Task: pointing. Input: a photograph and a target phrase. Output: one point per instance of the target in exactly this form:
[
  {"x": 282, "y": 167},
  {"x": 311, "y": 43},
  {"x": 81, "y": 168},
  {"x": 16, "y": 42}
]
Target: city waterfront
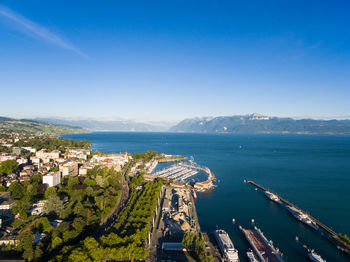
[{"x": 311, "y": 171}]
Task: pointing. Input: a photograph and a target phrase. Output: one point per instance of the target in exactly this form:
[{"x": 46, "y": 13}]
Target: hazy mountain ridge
[
  {"x": 256, "y": 123},
  {"x": 253, "y": 123},
  {"x": 107, "y": 125},
  {"x": 31, "y": 127}
]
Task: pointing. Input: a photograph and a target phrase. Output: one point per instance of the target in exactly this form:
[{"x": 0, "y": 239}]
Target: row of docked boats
[
  {"x": 311, "y": 255},
  {"x": 262, "y": 249},
  {"x": 297, "y": 213},
  {"x": 302, "y": 217}
]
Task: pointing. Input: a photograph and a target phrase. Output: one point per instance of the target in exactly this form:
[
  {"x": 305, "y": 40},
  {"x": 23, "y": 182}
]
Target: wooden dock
[{"x": 332, "y": 234}]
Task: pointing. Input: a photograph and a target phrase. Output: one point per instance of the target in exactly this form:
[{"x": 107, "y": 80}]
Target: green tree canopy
[
  {"x": 43, "y": 225},
  {"x": 53, "y": 205},
  {"x": 8, "y": 167},
  {"x": 17, "y": 190},
  {"x": 26, "y": 244},
  {"x": 89, "y": 182},
  {"x": 72, "y": 181},
  {"x": 196, "y": 245},
  {"x": 51, "y": 191},
  {"x": 53, "y": 143},
  {"x": 21, "y": 207}
]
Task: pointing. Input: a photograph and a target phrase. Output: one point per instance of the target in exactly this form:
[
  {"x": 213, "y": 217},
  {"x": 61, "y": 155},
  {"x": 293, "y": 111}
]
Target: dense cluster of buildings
[
  {"x": 53, "y": 166},
  {"x": 71, "y": 163},
  {"x": 111, "y": 160}
]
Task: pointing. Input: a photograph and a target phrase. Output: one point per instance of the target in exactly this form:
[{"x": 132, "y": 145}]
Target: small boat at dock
[
  {"x": 313, "y": 256},
  {"x": 251, "y": 256},
  {"x": 272, "y": 196},
  {"x": 302, "y": 217},
  {"x": 194, "y": 194}
]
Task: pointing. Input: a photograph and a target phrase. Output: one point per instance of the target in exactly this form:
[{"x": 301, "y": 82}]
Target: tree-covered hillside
[{"x": 24, "y": 126}]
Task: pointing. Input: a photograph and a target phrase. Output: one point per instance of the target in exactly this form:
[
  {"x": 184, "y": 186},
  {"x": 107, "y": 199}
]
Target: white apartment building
[{"x": 52, "y": 179}]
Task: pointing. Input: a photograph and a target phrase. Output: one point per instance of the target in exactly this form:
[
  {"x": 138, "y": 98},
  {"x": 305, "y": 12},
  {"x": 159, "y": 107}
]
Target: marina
[
  {"x": 188, "y": 172},
  {"x": 177, "y": 172}
]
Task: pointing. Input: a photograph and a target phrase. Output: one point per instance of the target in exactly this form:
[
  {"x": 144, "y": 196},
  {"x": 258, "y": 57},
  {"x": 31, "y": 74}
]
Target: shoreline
[{"x": 211, "y": 133}]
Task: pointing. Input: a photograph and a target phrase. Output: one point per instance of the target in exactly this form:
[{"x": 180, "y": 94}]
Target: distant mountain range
[
  {"x": 239, "y": 124},
  {"x": 109, "y": 125},
  {"x": 27, "y": 126},
  {"x": 256, "y": 123}
]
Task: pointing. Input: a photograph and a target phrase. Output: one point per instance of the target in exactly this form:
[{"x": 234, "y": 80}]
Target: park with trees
[
  {"x": 126, "y": 239},
  {"x": 71, "y": 212},
  {"x": 52, "y": 143},
  {"x": 144, "y": 157}
]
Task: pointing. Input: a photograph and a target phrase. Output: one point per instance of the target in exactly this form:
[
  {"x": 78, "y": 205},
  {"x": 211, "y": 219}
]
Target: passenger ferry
[
  {"x": 228, "y": 251},
  {"x": 302, "y": 217},
  {"x": 272, "y": 196}
]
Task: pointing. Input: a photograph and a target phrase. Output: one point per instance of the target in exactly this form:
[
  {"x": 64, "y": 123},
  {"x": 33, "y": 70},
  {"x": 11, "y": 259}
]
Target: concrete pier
[
  {"x": 333, "y": 236},
  {"x": 261, "y": 246}
]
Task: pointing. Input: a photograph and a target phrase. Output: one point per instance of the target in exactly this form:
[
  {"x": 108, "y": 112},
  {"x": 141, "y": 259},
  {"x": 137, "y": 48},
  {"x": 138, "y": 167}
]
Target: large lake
[{"x": 312, "y": 171}]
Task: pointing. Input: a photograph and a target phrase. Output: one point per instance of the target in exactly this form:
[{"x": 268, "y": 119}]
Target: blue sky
[{"x": 169, "y": 60}]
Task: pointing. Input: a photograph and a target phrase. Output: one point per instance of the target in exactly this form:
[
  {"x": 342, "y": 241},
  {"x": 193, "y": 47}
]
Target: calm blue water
[{"x": 313, "y": 171}]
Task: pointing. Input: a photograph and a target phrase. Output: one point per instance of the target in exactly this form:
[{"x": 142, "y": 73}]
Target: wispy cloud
[{"x": 38, "y": 30}]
